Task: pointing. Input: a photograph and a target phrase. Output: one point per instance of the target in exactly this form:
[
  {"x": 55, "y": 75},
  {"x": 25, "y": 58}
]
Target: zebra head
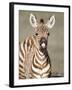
[{"x": 41, "y": 31}]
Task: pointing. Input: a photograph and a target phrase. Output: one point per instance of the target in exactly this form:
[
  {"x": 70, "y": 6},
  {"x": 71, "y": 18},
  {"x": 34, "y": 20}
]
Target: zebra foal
[{"x": 34, "y": 61}]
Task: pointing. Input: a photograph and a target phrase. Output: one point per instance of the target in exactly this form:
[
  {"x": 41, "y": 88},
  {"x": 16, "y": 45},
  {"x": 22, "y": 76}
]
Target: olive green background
[{"x": 55, "y": 40}]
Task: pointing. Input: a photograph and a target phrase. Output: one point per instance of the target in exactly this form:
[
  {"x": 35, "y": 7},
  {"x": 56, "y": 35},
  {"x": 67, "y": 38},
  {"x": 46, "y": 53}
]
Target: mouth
[
  {"x": 43, "y": 47},
  {"x": 44, "y": 50}
]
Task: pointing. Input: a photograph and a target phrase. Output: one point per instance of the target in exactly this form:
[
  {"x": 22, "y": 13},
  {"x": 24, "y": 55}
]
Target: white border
[{"x": 16, "y": 41}]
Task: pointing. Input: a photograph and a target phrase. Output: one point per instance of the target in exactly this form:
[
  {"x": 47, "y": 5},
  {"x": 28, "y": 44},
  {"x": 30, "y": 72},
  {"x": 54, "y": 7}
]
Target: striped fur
[{"x": 32, "y": 62}]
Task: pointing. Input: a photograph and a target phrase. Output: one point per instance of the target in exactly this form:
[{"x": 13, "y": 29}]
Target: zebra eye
[
  {"x": 36, "y": 34},
  {"x": 48, "y": 34}
]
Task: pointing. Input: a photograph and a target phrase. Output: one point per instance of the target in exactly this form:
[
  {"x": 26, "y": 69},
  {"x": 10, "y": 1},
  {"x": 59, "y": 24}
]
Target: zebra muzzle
[{"x": 43, "y": 43}]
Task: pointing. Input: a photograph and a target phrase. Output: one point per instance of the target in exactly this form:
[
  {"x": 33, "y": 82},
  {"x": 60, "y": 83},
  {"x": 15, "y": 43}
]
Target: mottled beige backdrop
[{"x": 56, "y": 38}]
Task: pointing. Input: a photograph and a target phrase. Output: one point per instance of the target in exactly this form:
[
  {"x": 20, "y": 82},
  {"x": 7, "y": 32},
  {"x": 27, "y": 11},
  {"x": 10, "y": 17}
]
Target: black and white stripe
[
  {"x": 41, "y": 66},
  {"x": 32, "y": 62}
]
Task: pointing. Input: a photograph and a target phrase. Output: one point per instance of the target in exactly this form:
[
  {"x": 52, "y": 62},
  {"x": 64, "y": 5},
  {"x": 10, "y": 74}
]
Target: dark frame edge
[
  {"x": 11, "y": 45},
  {"x": 40, "y": 4},
  {"x": 37, "y": 85}
]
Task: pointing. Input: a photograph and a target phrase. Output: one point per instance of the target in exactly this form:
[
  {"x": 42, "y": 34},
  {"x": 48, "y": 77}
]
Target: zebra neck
[
  {"x": 39, "y": 59},
  {"x": 39, "y": 55}
]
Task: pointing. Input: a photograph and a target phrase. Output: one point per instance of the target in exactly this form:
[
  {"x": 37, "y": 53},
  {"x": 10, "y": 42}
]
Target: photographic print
[{"x": 39, "y": 44}]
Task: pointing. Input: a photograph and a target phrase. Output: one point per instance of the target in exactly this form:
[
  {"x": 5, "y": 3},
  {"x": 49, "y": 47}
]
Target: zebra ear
[
  {"x": 33, "y": 20},
  {"x": 51, "y": 22}
]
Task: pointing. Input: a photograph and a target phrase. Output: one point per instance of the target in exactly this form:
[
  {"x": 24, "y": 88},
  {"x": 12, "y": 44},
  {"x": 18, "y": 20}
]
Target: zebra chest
[{"x": 40, "y": 70}]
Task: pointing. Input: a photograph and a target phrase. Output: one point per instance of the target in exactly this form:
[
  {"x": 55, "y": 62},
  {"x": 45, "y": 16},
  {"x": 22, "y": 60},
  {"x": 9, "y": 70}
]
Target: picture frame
[{"x": 59, "y": 41}]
